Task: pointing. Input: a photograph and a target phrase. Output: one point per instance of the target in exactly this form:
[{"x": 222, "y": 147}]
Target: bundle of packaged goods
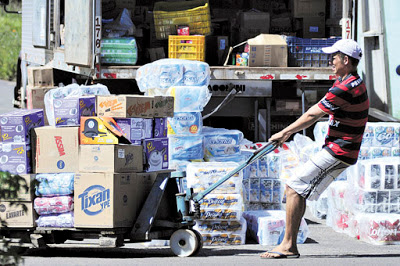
[
  {"x": 221, "y": 221},
  {"x": 16, "y": 159},
  {"x": 366, "y": 205},
  {"x": 119, "y": 51},
  {"x": 267, "y": 227}
]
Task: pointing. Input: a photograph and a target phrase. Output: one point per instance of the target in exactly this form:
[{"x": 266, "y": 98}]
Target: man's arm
[{"x": 307, "y": 119}]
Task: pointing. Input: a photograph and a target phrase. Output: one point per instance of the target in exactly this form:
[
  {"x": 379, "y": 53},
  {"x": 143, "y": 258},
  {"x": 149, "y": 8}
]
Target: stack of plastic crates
[
  {"x": 168, "y": 15},
  {"x": 308, "y": 52},
  {"x": 186, "y": 47}
]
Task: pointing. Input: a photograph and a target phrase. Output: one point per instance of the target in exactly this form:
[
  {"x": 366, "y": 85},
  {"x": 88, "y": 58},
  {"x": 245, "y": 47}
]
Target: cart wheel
[
  {"x": 184, "y": 242},
  {"x": 199, "y": 242}
]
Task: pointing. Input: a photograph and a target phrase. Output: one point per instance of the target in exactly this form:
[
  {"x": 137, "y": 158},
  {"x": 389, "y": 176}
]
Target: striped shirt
[{"x": 347, "y": 104}]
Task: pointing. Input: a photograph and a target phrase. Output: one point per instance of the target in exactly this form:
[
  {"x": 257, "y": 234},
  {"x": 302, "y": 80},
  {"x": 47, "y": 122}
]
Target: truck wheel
[{"x": 184, "y": 243}]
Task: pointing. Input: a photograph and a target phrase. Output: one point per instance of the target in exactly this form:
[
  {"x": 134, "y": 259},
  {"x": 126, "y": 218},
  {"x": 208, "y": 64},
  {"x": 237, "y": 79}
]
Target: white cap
[{"x": 346, "y": 46}]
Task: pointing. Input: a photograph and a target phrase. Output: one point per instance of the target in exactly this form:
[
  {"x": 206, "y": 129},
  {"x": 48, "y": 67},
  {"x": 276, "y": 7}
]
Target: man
[{"x": 347, "y": 104}]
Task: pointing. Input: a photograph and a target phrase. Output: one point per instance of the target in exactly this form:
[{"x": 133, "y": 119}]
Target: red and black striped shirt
[{"x": 347, "y": 104}]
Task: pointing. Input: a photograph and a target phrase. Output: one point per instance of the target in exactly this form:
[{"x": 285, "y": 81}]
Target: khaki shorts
[{"x": 316, "y": 175}]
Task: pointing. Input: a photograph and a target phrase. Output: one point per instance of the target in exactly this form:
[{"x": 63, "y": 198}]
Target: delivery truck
[{"x": 264, "y": 95}]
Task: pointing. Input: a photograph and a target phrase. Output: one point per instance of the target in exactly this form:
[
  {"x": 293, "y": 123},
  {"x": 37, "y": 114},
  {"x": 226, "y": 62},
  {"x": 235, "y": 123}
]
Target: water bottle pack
[
  {"x": 56, "y": 184},
  {"x": 53, "y": 205},
  {"x": 63, "y": 220}
]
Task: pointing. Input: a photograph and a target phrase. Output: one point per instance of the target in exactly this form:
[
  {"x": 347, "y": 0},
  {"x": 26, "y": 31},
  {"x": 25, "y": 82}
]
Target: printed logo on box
[
  {"x": 94, "y": 200},
  {"x": 60, "y": 145}
]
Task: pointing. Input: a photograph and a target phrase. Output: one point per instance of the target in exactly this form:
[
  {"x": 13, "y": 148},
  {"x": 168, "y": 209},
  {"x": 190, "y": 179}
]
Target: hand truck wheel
[{"x": 184, "y": 242}]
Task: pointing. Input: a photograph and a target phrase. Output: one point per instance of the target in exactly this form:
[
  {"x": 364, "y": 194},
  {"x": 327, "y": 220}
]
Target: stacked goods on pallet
[
  {"x": 187, "y": 81},
  {"x": 366, "y": 204},
  {"x": 16, "y": 159},
  {"x": 221, "y": 221}
]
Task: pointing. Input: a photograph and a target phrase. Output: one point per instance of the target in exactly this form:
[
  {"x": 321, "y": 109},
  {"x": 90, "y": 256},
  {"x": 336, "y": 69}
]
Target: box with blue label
[
  {"x": 68, "y": 111},
  {"x": 155, "y": 154},
  {"x": 15, "y": 158},
  {"x": 15, "y": 126},
  {"x": 109, "y": 200},
  {"x": 160, "y": 128},
  {"x": 55, "y": 149},
  {"x": 136, "y": 129}
]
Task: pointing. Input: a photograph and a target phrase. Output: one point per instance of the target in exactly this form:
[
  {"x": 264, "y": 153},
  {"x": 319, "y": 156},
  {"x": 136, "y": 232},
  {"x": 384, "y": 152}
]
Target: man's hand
[{"x": 280, "y": 137}]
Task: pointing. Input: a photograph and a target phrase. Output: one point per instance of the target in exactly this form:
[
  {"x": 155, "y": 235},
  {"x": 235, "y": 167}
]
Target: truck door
[{"x": 79, "y": 17}]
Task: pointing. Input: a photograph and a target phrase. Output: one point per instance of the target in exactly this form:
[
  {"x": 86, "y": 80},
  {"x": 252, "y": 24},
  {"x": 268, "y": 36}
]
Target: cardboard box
[
  {"x": 17, "y": 214},
  {"x": 40, "y": 77},
  {"x": 126, "y": 106},
  {"x": 111, "y": 158},
  {"x": 155, "y": 154},
  {"x": 314, "y": 27},
  {"x": 15, "y": 157},
  {"x": 109, "y": 200},
  {"x": 26, "y": 191},
  {"x": 35, "y": 99},
  {"x": 253, "y": 24},
  {"x": 307, "y": 8},
  {"x": 101, "y": 130},
  {"x": 55, "y": 149},
  {"x": 123, "y": 106},
  {"x": 267, "y": 50},
  {"x": 68, "y": 111},
  {"x": 163, "y": 106},
  {"x": 160, "y": 129},
  {"x": 15, "y": 126},
  {"x": 136, "y": 129}
]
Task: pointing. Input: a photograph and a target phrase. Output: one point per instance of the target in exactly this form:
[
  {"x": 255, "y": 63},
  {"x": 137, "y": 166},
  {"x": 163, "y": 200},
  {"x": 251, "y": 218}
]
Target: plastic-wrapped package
[
  {"x": 220, "y": 142},
  {"x": 378, "y": 173},
  {"x": 185, "y": 124},
  {"x": 268, "y": 227},
  {"x": 186, "y": 148},
  {"x": 53, "y": 205},
  {"x": 70, "y": 91},
  {"x": 379, "y": 229},
  {"x": 215, "y": 239},
  {"x": 319, "y": 208},
  {"x": 200, "y": 176},
  {"x": 63, "y": 220},
  {"x": 228, "y": 227},
  {"x": 219, "y": 201},
  {"x": 57, "y": 184},
  {"x": 220, "y": 214},
  {"x": 119, "y": 51},
  {"x": 189, "y": 98},
  {"x": 383, "y": 135},
  {"x": 320, "y": 131},
  {"x": 165, "y": 73},
  {"x": 368, "y": 135}
]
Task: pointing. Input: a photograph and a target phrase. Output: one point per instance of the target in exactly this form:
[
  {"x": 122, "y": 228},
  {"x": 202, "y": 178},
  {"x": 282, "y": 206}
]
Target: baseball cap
[{"x": 346, "y": 46}]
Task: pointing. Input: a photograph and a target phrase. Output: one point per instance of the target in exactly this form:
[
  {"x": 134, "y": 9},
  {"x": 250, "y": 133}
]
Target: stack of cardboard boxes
[{"x": 114, "y": 169}]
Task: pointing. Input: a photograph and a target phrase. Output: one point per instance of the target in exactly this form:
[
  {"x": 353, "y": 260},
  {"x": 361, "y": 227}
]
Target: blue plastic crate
[{"x": 308, "y": 52}]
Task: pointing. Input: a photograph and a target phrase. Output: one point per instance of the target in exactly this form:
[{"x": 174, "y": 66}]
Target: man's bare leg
[{"x": 295, "y": 208}]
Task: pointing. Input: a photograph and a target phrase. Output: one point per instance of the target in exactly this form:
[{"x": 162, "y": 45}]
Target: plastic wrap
[
  {"x": 185, "y": 124},
  {"x": 58, "y": 184},
  {"x": 268, "y": 227},
  {"x": 378, "y": 174},
  {"x": 189, "y": 98},
  {"x": 319, "y": 208},
  {"x": 155, "y": 78},
  {"x": 186, "y": 148},
  {"x": 320, "y": 132},
  {"x": 53, "y": 205},
  {"x": 216, "y": 239},
  {"x": 63, "y": 220},
  {"x": 219, "y": 201},
  {"x": 228, "y": 227},
  {"x": 220, "y": 142},
  {"x": 70, "y": 91},
  {"x": 379, "y": 230},
  {"x": 200, "y": 176},
  {"x": 119, "y": 51}
]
